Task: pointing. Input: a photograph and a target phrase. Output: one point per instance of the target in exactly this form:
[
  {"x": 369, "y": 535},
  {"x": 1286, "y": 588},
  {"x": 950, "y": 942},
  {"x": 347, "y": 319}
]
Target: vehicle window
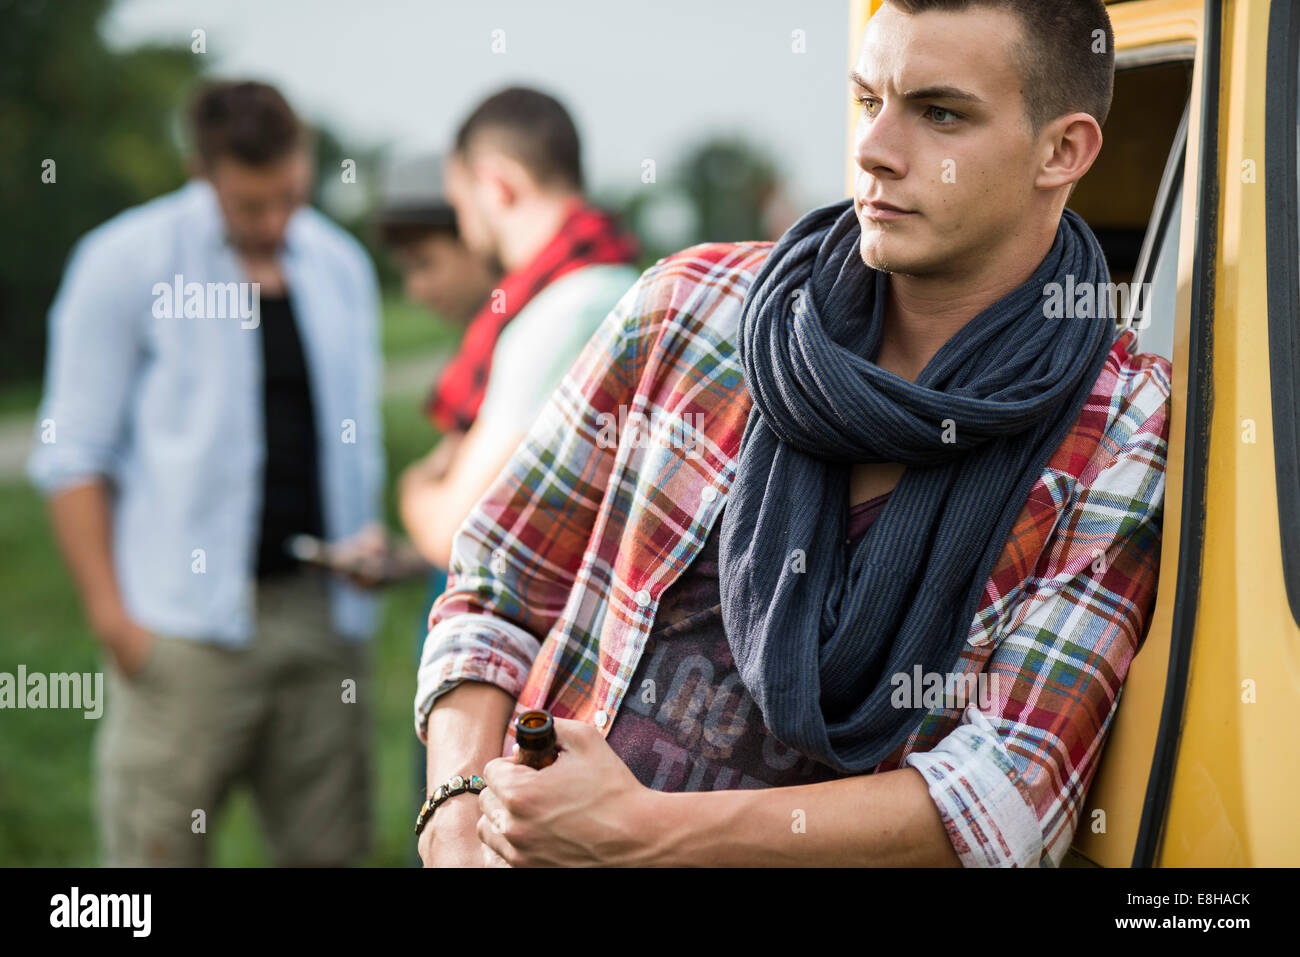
[
  {"x": 1120, "y": 198},
  {"x": 1154, "y": 321},
  {"x": 1132, "y": 196}
]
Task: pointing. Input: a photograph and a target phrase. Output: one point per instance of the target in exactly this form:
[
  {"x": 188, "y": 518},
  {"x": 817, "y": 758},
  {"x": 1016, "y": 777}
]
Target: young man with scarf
[
  {"x": 515, "y": 181},
  {"x": 903, "y": 467}
]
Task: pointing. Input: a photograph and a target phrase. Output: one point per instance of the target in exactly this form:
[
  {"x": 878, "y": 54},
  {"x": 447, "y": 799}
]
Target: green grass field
[{"x": 46, "y": 785}]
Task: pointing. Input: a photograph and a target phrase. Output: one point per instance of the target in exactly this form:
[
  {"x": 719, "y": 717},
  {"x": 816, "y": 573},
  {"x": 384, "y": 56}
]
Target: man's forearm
[
  {"x": 437, "y": 462},
  {"x": 886, "y": 819},
  {"x": 467, "y": 727},
  {"x": 433, "y": 510},
  {"x": 428, "y": 512},
  {"x": 82, "y": 527}
]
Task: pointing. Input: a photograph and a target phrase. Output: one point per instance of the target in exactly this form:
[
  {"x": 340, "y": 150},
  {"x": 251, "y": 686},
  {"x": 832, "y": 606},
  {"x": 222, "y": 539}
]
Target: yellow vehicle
[{"x": 1195, "y": 192}]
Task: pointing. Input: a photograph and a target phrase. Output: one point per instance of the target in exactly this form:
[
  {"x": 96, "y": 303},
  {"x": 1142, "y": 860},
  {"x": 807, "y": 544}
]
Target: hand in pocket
[{"x": 130, "y": 645}]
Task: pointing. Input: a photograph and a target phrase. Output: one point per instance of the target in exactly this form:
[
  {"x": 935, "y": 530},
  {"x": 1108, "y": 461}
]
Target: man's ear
[
  {"x": 502, "y": 177},
  {"x": 195, "y": 166},
  {"x": 1070, "y": 145}
]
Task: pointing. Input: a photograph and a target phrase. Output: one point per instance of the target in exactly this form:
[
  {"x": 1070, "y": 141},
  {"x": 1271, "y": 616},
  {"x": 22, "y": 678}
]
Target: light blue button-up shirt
[{"x": 170, "y": 408}]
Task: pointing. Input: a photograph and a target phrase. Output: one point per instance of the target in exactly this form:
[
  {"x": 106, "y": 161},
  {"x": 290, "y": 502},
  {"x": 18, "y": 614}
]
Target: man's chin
[
  {"x": 878, "y": 255},
  {"x": 887, "y": 255},
  {"x": 256, "y": 249}
]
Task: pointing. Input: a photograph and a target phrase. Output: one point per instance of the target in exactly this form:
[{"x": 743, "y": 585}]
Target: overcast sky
[{"x": 641, "y": 80}]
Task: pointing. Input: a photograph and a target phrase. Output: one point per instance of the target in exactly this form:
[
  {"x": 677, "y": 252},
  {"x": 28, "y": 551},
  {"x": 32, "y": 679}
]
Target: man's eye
[
  {"x": 951, "y": 117},
  {"x": 866, "y": 104}
]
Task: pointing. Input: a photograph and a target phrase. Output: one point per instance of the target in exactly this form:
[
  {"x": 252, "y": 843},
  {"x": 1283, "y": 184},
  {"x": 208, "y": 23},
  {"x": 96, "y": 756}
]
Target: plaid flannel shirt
[{"x": 556, "y": 574}]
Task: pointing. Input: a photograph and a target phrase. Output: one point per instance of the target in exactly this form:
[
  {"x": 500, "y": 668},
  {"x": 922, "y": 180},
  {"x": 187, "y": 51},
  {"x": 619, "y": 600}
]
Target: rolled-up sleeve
[
  {"x": 92, "y": 354},
  {"x": 1011, "y": 779},
  {"x": 517, "y": 555}
]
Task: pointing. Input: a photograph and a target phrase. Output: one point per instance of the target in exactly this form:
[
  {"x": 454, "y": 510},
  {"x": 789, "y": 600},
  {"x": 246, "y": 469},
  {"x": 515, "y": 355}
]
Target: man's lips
[{"x": 877, "y": 209}]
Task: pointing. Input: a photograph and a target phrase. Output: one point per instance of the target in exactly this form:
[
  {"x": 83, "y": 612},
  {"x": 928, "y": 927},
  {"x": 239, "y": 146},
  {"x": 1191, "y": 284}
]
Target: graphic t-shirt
[{"x": 687, "y": 722}]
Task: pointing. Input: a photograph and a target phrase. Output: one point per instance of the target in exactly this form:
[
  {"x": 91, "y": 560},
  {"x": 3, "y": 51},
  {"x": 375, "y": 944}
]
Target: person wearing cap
[
  {"x": 417, "y": 225},
  {"x": 515, "y": 180}
]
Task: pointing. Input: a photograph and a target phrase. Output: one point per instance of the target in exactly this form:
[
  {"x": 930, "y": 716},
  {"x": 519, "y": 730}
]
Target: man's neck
[
  {"x": 529, "y": 227},
  {"x": 264, "y": 268},
  {"x": 923, "y": 312}
]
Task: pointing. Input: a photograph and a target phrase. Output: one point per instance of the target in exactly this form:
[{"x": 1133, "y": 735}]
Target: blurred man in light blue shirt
[{"x": 212, "y": 389}]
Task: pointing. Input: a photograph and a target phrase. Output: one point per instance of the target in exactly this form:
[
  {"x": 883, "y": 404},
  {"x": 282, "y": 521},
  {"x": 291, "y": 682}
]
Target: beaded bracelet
[{"x": 457, "y": 785}]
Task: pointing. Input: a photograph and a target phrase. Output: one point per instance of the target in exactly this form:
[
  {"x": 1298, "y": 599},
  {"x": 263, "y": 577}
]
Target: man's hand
[
  {"x": 126, "y": 642},
  {"x": 433, "y": 509},
  {"x": 433, "y": 466},
  {"x": 416, "y": 498},
  {"x": 587, "y": 809},
  {"x": 453, "y": 841},
  {"x": 79, "y": 516},
  {"x": 439, "y": 460},
  {"x": 361, "y": 558},
  {"x": 450, "y": 839}
]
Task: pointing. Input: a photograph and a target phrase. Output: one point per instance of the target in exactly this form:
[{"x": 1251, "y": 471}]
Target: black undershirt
[{"x": 290, "y": 485}]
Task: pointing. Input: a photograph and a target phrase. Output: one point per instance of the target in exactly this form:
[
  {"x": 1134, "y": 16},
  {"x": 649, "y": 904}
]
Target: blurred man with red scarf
[{"x": 515, "y": 180}]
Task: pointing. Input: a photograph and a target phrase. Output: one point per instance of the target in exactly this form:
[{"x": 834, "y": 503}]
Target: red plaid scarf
[{"x": 588, "y": 235}]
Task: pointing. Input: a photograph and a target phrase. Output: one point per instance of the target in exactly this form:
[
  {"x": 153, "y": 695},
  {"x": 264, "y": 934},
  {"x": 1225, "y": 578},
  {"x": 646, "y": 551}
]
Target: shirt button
[
  {"x": 643, "y": 598},
  {"x": 601, "y": 719},
  {"x": 709, "y": 494}
]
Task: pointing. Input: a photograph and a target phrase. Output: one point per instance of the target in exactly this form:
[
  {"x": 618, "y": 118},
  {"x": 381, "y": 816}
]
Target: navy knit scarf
[{"x": 818, "y": 637}]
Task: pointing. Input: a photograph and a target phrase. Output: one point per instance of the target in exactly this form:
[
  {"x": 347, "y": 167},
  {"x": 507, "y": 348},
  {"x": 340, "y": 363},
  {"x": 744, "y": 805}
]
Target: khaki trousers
[{"x": 288, "y": 714}]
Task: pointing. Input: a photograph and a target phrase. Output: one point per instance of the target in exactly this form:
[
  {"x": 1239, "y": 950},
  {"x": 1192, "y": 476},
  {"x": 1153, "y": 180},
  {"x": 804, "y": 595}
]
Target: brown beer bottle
[{"x": 535, "y": 733}]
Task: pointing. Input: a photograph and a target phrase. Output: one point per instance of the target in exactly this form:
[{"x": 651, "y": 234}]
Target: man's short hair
[
  {"x": 532, "y": 128},
  {"x": 244, "y": 120},
  {"x": 1066, "y": 53}
]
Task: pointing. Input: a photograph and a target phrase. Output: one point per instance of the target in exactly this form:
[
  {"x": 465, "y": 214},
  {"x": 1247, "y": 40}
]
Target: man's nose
[
  {"x": 274, "y": 226},
  {"x": 879, "y": 142},
  {"x": 413, "y": 287}
]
